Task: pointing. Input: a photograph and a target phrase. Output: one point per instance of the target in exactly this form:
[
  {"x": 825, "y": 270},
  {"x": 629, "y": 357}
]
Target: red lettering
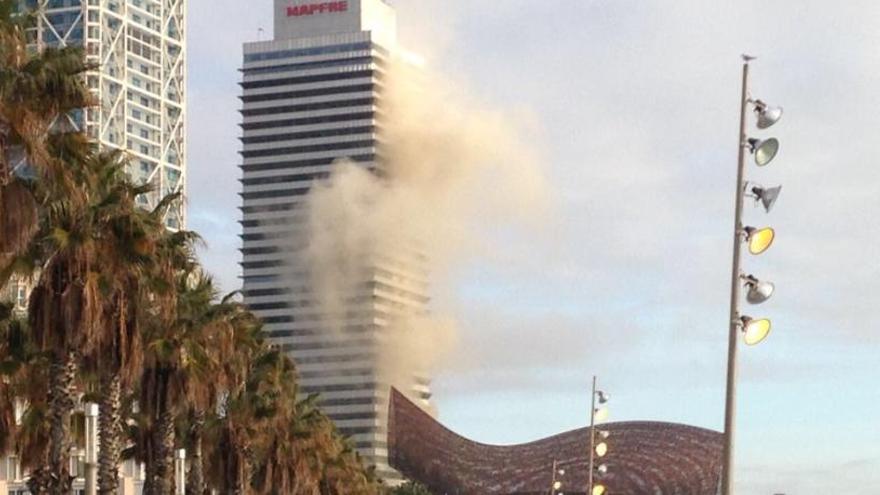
[{"x": 319, "y": 8}]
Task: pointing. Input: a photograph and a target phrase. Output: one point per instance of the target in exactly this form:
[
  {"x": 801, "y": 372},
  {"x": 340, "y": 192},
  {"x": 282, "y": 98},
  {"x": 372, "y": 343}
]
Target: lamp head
[
  {"x": 557, "y": 485},
  {"x": 603, "y": 434},
  {"x": 755, "y": 331},
  {"x": 601, "y": 449},
  {"x": 767, "y": 115},
  {"x": 764, "y": 150},
  {"x": 602, "y": 469},
  {"x": 758, "y": 291},
  {"x": 599, "y": 490},
  {"x": 767, "y": 196},
  {"x": 600, "y": 414},
  {"x": 759, "y": 240},
  {"x": 602, "y": 396}
]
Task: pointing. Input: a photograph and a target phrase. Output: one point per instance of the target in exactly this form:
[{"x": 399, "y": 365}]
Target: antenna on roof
[{"x": 260, "y": 34}]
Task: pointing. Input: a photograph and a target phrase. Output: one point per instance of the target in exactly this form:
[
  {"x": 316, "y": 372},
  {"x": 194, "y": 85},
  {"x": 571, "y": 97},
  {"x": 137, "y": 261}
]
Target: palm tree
[
  {"x": 184, "y": 372},
  {"x": 37, "y": 91},
  {"x": 253, "y": 415},
  {"x": 126, "y": 244},
  {"x": 233, "y": 334}
]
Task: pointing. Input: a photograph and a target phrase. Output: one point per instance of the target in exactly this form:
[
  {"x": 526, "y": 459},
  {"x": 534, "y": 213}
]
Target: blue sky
[{"x": 633, "y": 107}]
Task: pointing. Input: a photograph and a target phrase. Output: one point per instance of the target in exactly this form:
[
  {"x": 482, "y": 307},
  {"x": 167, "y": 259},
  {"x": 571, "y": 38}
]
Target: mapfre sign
[{"x": 316, "y": 8}]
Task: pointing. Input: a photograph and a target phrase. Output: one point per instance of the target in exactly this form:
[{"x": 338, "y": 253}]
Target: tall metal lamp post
[
  {"x": 758, "y": 240},
  {"x": 598, "y": 443}
]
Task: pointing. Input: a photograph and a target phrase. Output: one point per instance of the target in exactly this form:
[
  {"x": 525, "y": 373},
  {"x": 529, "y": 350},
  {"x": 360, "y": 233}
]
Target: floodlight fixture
[
  {"x": 759, "y": 240},
  {"x": 602, "y": 469},
  {"x": 599, "y": 490},
  {"x": 767, "y": 115},
  {"x": 767, "y": 196},
  {"x": 755, "y": 330},
  {"x": 602, "y": 396},
  {"x": 764, "y": 150},
  {"x": 601, "y": 449},
  {"x": 758, "y": 290}
]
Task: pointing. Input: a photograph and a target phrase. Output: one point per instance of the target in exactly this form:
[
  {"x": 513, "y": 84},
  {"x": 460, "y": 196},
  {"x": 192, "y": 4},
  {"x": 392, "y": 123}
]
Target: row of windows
[
  {"x": 365, "y": 401},
  {"x": 312, "y": 162},
  {"x": 286, "y": 178},
  {"x": 309, "y": 65},
  {"x": 282, "y": 193},
  {"x": 350, "y": 416},
  {"x": 344, "y": 358},
  {"x": 310, "y": 148},
  {"x": 324, "y": 119},
  {"x": 306, "y": 52},
  {"x": 309, "y": 107},
  {"x": 314, "y": 332},
  {"x": 363, "y": 372},
  {"x": 306, "y": 93},
  {"x": 286, "y": 81},
  {"x": 319, "y": 133},
  {"x": 267, "y": 209},
  {"x": 361, "y": 430}
]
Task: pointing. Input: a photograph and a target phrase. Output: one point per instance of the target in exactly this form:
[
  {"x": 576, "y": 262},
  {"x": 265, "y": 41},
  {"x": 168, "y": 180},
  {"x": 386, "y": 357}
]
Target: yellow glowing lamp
[
  {"x": 601, "y": 449},
  {"x": 599, "y": 490},
  {"x": 755, "y": 331},
  {"x": 601, "y": 414},
  {"x": 557, "y": 485},
  {"x": 759, "y": 240}
]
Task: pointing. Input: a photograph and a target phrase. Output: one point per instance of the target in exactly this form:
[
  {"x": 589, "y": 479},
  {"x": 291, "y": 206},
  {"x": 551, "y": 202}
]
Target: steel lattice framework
[{"x": 140, "y": 83}]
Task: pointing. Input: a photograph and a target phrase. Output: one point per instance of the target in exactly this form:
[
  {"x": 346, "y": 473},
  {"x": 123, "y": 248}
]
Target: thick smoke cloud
[{"x": 445, "y": 160}]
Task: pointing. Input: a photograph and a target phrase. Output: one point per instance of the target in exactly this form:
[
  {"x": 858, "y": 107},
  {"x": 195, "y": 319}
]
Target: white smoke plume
[{"x": 446, "y": 160}]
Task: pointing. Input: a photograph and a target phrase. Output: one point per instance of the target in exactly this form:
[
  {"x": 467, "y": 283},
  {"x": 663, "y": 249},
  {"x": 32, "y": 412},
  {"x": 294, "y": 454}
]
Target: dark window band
[
  {"x": 319, "y": 133},
  {"x": 337, "y": 76},
  {"x": 339, "y": 62},
  {"x": 324, "y": 119},
  {"x": 311, "y": 148},
  {"x": 305, "y": 93},
  {"x": 309, "y": 107}
]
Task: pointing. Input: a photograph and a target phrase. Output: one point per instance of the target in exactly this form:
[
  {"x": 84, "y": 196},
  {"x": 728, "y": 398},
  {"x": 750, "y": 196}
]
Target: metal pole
[
  {"x": 180, "y": 472},
  {"x": 592, "y": 436},
  {"x": 735, "y": 323},
  {"x": 553, "y": 480},
  {"x": 91, "y": 460}
]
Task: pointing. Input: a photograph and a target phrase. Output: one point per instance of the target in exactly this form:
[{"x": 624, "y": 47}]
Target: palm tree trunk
[
  {"x": 61, "y": 392},
  {"x": 195, "y": 480},
  {"x": 109, "y": 433},
  {"x": 160, "y": 472},
  {"x": 38, "y": 481}
]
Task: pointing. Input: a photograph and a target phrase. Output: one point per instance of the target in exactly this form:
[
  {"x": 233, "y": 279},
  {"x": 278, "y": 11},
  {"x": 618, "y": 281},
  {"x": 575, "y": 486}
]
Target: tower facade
[
  {"x": 138, "y": 48},
  {"x": 313, "y": 96}
]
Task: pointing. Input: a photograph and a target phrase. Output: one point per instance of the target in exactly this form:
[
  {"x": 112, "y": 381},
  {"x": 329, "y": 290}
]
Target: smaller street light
[{"x": 599, "y": 490}]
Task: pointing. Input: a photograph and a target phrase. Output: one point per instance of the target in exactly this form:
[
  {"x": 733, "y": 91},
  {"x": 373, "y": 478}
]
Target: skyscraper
[
  {"x": 312, "y": 96},
  {"x": 139, "y": 49}
]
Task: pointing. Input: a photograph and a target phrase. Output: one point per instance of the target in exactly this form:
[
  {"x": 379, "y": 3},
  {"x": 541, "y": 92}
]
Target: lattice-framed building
[{"x": 139, "y": 49}]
